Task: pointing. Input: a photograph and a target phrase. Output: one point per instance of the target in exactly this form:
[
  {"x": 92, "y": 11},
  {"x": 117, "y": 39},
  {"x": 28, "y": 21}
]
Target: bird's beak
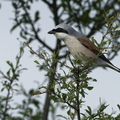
[{"x": 51, "y": 32}]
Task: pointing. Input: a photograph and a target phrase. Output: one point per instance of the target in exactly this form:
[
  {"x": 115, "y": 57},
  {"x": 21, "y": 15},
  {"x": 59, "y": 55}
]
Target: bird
[{"x": 81, "y": 47}]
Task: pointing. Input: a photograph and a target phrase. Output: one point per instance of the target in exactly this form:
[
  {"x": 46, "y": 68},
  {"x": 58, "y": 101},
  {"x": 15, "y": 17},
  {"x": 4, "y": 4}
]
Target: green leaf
[
  {"x": 94, "y": 41},
  {"x": 61, "y": 116},
  {"x": 8, "y": 72},
  {"x": 94, "y": 80},
  {"x": 14, "y": 5},
  {"x": 36, "y": 62},
  {"x": 10, "y": 64},
  {"x": 116, "y": 27},
  {"x": 89, "y": 111},
  {"x": 15, "y": 26},
  {"x": 109, "y": 41},
  {"x": 89, "y": 88},
  {"x": 118, "y": 106},
  {"x": 22, "y": 34},
  {"x": 68, "y": 112},
  {"x": 2, "y": 89},
  {"x": 36, "y": 16}
]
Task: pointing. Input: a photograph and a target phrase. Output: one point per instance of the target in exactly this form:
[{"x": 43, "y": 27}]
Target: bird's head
[{"x": 62, "y": 31}]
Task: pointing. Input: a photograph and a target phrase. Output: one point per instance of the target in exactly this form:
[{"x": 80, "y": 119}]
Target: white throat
[{"x": 62, "y": 36}]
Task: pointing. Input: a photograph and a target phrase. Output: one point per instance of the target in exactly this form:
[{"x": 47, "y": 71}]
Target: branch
[
  {"x": 48, "y": 3},
  {"x": 7, "y": 100},
  {"x": 34, "y": 30},
  {"x": 77, "y": 93},
  {"x": 33, "y": 52},
  {"x": 115, "y": 53}
]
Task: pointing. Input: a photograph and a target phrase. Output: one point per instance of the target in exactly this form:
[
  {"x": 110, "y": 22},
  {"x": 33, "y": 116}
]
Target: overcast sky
[{"x": 107, "y": 87}]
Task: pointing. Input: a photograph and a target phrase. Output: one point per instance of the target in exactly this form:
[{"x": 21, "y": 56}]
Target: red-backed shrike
[{"x": 80, "y": 46}]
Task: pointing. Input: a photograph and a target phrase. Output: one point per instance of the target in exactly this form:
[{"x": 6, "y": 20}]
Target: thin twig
[
  {"x": 77, "y": 93},
  {"x": 110, "y": 47},
  {"x": 33, "y": 52}
]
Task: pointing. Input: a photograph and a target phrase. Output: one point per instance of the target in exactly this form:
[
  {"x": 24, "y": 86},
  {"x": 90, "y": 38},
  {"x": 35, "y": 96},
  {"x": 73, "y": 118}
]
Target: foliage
[
  {"x": 69, "y": 85},
  {"x": 10, "y": 87}
]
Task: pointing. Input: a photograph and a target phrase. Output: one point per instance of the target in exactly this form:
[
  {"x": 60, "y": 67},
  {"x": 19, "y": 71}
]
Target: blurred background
[{"x": 29, "y": 21}]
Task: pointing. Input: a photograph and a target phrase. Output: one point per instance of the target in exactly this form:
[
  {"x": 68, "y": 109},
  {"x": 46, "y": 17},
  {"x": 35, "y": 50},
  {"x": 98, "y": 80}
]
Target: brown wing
[{"x": 90, "y": 45}]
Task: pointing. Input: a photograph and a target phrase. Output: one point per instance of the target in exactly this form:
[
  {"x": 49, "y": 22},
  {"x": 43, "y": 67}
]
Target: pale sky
[{"x": 107, "y": 87}]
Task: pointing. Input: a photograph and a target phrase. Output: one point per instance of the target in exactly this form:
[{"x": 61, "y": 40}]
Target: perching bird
[{"x": 80, "y": 46}]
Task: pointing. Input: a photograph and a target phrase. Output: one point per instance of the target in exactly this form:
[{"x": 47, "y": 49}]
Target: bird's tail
[{"x": 114, "y": 67}]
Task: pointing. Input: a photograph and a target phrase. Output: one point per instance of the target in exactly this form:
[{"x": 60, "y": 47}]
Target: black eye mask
[{"x": 60, "y": 30}]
